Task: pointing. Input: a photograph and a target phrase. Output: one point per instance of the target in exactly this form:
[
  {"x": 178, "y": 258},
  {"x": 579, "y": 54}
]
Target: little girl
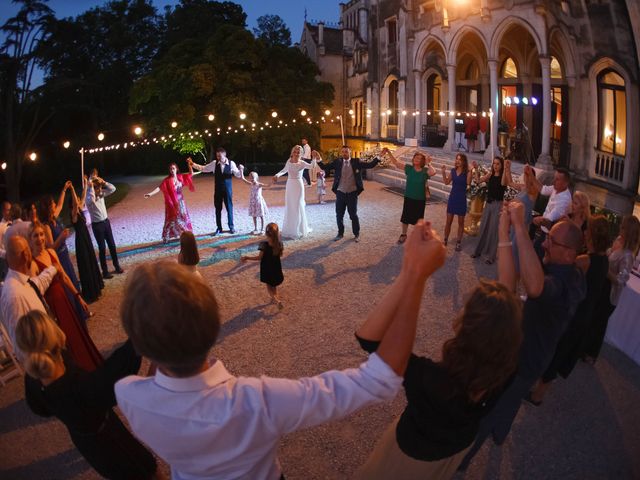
[
  {"x": 257, "y": 205},
  {"x": 321, "y": 184},
  {"x": 270, "y": 266},
  {"x": 189, "y": 256}
]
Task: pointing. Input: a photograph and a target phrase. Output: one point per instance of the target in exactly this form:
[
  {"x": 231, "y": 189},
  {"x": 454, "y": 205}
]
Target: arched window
[
  {"x": 509, "y": 69},
  {"x": 393, "y": 103},
  {"x": 556, "y": 69},
  {"x": 612, "y": 113}
]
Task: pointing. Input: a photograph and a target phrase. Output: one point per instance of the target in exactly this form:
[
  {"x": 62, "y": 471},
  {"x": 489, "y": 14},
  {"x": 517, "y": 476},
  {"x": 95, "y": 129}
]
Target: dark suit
[
  {"x": 348, "y": 201},
  {"x": 223, "y": 194}
]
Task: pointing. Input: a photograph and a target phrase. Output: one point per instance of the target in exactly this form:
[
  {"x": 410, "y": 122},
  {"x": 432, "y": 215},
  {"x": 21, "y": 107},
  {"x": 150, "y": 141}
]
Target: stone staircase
[{"x": 395, "y": 178}]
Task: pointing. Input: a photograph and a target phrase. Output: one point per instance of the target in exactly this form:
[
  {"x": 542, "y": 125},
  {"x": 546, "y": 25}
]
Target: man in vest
[{"x": 223, "y": 171}]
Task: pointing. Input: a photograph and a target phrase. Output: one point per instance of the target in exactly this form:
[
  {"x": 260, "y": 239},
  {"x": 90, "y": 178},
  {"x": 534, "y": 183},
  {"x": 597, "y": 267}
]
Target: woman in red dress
[
  {"x": 176, "y": 215},
  {"x": 59, "y": 297}
]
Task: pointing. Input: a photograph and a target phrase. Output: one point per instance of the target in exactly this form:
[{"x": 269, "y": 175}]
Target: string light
[
  {"x": 274, "y": 114},
  {"x": 33, "y": 156},
  {"x": 303, "y": 113},
  {"x": 243, "y": 116},
  {"x": 101, "y": 136},
  {"x": 66, "y": 144},
  {"x": 211, "y": 117},
  {"x": 137, "y": 131},
  {"x": 175, "y": 124}
]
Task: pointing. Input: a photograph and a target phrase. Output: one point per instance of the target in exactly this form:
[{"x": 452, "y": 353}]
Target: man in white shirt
[
  {"x": 306, "y": 156},
  {"x": 559, "y": 205},
  {"x": 223, "y": 172},
  {"x": 20, "y": 293},
  {"x": 100, "y": 224},
  {"x": 207, "y": 423}
]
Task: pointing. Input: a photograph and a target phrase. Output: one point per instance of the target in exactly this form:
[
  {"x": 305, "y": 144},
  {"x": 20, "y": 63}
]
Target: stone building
[{"x": 560, "y": 77}]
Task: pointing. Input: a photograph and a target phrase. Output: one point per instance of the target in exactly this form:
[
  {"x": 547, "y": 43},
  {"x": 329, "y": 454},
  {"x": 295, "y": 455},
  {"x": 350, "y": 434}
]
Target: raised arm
[
  {"x": 235, "y": 170},
  {"x": 60, "y": 202},
  {"x": 506, "y": 263},
  {"x": 430, "y": 168},
  {"x": 531, "y": 271},
  {"x": 476, "y": 170},
  {"x": 393, "y": 321},
  {"x": 445, "y": 177},
  {"x": 399, "y": 165}
]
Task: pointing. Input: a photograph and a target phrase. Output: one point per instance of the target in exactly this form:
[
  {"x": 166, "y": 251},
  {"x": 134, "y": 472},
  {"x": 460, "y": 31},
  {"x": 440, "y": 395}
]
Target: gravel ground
[{"x": 589, "y": 426}]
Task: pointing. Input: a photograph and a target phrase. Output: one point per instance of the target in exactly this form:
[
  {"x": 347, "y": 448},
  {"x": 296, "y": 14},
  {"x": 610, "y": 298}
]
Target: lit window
[
  {"x": 556, "y": 70},
  {"x": 612, "y": 113},
  {"x": 509, "y": 69}
]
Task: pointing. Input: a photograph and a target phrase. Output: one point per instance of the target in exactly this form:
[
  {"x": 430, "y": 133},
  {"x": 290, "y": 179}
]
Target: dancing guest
[
  {"x": 59, "y": 299},
  {"x": 415, "y": 193},
  {"x": 82, "y": 401},
  {"x": 459, "y": 178},
  {"x": 595, "y": 265},
  {"x": 176, "y": 215},
  {"x": 347, "y": 185},
  {"x": 487, "y": 245},
  {"x": 257, "y": 205},
  {"x": 21, "y": 292},
  {"x": 189, "y": 256},
  {"x": 223, "y": 171},
  {"x": 580, "y": 210},
  {"x": 295, "y": 223},
  {"x": 19, "y": 225},
  {"x": 447, "y": 399},
  {"x": 55, "y": 232},
  {"x": 553, "y": 294},
  {"x": 306, "y": 155},
  {"x": 252, "y": 414},
  {"x": 99, "y": 189},
  {"x": 559, "y": 205},
  {"x": 270, "y": 265},
  {"x": 621, "y": 257},
  {"x": 90, "y": 277}
]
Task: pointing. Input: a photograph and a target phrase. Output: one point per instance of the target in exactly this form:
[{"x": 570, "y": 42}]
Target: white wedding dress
[{"x": 295, "y": 217}]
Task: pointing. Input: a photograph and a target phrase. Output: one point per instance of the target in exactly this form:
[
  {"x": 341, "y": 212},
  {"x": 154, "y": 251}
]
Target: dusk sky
[{"x": 291, "y": 11}]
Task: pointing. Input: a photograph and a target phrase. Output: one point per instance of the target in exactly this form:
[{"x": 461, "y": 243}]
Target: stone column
[
  {"x": 451, "y": 86},
  {"x": 544, "y": 160},
  {"x": 368, "y": 116},
  {"x": 417, "y": 77},
  {"x": 492, "y": 148},
  {"x": 402, "y": 105}
]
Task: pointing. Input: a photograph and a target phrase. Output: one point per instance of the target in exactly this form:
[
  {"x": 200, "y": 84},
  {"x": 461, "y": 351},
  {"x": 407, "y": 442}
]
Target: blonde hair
[
  {"x": 171, "y": 317},
  {"x": 41, "y": 342},
  {"x": 584, "y": 202},
  {"x": 254, "y": 176},
  {"x": 293, "y": 148}
]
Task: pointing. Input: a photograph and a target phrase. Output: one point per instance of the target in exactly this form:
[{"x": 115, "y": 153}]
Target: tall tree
[
  {"x": 273, "y": 31},
  {"x": 20, "y": 115}
]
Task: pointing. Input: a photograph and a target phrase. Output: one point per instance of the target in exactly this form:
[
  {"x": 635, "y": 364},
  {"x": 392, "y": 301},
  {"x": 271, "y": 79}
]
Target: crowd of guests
[{"x": 207, "y": 423}]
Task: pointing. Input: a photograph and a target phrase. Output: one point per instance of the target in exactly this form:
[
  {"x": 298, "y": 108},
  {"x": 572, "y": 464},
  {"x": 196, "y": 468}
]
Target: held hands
[
  {"x": 275, "y": 179},
  {"x": 507, "y": 165},
  {"x": 505, "y": 222},
  {"x": 424, "y": 253},
  {"x": 474, "y": 164},
  {"x": 65, "y": 234},
  {"x": 67, "y": 185},
  {"x": 516, "y": 213},
  {"x": 146, "y": 195}
]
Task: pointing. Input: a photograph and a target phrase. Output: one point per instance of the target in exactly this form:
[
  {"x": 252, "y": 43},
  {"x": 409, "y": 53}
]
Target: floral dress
[{"x": 257, "y": 205}]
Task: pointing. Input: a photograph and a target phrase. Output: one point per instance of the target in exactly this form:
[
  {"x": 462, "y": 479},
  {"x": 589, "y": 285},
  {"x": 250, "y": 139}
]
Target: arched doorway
[{"x": 434, "y": 99}]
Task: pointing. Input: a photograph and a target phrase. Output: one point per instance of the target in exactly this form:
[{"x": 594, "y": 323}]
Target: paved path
[{"x": 588, "y": 428}]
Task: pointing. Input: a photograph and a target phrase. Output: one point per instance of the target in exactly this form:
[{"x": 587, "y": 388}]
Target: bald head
[{"x": 18, "y": 254}]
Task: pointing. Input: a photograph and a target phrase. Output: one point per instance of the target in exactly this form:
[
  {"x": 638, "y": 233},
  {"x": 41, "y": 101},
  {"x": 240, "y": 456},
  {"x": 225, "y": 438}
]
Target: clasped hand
[{"x": 424, "y": 252}]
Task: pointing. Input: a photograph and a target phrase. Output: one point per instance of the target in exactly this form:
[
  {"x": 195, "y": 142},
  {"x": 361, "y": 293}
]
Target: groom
[
  {"x": 223, "y": 171},
  {"x": 347, "y": 185}
]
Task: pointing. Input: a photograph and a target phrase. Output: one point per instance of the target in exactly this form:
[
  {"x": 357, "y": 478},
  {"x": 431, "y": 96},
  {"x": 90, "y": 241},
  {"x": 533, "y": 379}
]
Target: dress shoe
[
  {"x": 107, "y": 275},
  {"x": 217, "y": 232},
  {"x": 338, "y": 237},
  {"x": 119, "y": 270},
  {"x": 232, "y": 231}
]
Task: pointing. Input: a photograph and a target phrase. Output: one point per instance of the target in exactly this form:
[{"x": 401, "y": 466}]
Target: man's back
[{"x": 214, "y": 425}]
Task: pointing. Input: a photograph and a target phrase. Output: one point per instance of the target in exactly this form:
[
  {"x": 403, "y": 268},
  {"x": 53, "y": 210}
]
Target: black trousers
[
  {"x": 102, "y": 232},
  {"x": 306, "y": 176},
  {"x": 347, "y": 202},
  {"x": 220, "y": 197}
]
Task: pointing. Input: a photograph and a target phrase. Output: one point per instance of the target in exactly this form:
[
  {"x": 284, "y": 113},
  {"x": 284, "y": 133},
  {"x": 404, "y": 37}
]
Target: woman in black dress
[
  {"x": 270, "y": 265},
  {"x": 83, "y": 401},
  {"x": 446, "y": 399},
  {"x": 90, "y": 276},
  {"x": 569, "y": 349}
]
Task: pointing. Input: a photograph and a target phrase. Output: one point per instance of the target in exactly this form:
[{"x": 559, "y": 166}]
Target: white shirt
[
  {"x": 4, "y": 225},
  {"x": 19, "y": 298},
  {"x": 210, "y": 167},
  {"x": 306, "y": 151},
  {"x": 18, "y": 227},
  {"x": 215, "y": 425},
  {"x": 559, "y": 203},
  {"x": 95, "y": 203}
]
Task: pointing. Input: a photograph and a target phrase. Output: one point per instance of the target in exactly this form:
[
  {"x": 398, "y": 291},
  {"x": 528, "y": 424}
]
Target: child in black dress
[{"x": 269, "y": 257}]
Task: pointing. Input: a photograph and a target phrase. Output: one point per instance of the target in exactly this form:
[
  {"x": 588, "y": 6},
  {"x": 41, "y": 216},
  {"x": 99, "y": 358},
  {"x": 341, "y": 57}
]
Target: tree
[
  {"x": 21, "y": 118},
  {"x": 273, "y": 31}
]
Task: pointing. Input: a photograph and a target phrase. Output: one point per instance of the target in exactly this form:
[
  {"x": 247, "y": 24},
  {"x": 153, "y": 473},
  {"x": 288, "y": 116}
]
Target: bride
[{"x": 295, "y": 218}]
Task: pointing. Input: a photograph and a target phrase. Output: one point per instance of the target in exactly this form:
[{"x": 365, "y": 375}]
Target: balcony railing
[{"x": 609, "y": 167}]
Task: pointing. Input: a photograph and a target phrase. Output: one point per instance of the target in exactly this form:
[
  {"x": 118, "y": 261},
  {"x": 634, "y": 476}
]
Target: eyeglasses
[{"x": 554, "y": 242}]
